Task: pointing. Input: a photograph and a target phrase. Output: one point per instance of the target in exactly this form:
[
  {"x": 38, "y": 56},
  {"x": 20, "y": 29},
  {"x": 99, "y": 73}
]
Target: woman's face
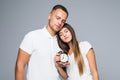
[{"x": 65, "y": 35}]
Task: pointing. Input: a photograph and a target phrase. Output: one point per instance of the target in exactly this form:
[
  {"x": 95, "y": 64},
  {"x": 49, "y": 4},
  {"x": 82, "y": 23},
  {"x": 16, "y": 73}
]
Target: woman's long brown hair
[{"x": 75, "y": 45}]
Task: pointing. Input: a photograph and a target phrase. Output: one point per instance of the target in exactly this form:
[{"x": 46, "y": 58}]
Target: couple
[{"x": 39, "y": 50}]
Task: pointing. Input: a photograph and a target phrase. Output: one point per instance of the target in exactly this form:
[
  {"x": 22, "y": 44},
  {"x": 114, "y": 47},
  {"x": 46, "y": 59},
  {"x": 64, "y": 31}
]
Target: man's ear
[{"x": 49, "y": 15}]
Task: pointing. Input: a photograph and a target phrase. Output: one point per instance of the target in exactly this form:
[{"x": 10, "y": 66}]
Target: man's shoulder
[{"x": 34, "y": 32}]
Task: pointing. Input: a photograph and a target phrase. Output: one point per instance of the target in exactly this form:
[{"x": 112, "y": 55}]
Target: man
[{"x": 39, "y": 47}]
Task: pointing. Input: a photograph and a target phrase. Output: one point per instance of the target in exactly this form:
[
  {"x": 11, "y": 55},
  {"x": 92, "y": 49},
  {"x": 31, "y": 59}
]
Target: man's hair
[{"x": 58, "y": 6}]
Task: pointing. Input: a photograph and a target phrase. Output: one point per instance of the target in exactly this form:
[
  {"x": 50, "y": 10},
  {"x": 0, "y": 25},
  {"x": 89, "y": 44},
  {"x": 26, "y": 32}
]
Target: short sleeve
[
  {"x": 27, "y": 43},
  {"x": 85, "y": 47}
]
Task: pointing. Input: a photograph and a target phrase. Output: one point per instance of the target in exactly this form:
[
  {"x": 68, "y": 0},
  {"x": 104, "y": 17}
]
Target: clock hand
[{"x": 63, "y": 58}]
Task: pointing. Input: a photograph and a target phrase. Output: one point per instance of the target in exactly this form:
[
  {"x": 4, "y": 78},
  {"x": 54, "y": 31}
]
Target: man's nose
[{"x": 60, "y": 22}]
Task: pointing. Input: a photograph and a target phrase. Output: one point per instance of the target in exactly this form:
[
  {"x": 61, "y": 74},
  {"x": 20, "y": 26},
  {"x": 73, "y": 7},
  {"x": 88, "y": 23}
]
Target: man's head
[
  {"x": 60, "y": 7},
  {"x": 57, "y": 17}
]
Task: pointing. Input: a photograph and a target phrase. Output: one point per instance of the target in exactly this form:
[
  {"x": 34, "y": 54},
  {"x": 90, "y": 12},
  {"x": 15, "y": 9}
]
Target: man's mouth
[{"x": 58, "y": 27}]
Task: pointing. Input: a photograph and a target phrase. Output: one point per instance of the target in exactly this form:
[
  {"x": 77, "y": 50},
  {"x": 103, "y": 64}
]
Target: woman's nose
[{"x": 64, "y": 35}]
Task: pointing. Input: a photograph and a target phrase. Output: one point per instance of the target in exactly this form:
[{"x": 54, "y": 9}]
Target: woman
[{"x": 81, "y": 56}]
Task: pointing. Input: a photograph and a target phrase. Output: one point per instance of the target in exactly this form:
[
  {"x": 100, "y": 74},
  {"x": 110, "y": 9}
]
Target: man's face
[{"x": 57, "y": 19}]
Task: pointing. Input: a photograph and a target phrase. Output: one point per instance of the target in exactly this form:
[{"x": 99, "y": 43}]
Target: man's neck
[{"x": 52, "y": 33}]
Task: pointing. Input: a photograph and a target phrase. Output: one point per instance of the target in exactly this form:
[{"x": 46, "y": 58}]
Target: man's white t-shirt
[
  {"x": 72, "y": 69},
  {"x": 42, "y": 47}
]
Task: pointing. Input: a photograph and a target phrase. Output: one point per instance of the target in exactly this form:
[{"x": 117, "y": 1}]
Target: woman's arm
[
  {"x": 61, "y": 67},
  {"x": 92, "y": 64},
  {"x": 62, "y": 72}
]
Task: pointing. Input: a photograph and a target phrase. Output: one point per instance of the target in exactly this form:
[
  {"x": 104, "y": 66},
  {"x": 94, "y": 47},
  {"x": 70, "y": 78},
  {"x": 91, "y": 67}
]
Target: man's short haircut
[{"x": 58, "y": 6}]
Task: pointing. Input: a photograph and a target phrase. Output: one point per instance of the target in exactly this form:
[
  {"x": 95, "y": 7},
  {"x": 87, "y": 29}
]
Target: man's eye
[
  {"x": 63, "y": 21},
  {"x": 57, "y": 17}
]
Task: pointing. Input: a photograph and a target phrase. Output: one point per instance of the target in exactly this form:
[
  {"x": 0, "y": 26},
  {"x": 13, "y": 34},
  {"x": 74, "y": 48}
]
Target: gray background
[{"x": 95, "y": 21}]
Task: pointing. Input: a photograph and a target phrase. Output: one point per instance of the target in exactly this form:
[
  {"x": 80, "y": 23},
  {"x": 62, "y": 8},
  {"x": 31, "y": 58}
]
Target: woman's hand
[
  {"x": 61, "y": 66},
  {"x": 58, "y": 63}
]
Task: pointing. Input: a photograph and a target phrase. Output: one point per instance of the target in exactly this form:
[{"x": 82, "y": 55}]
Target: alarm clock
[{"x": 63, "y": 56}]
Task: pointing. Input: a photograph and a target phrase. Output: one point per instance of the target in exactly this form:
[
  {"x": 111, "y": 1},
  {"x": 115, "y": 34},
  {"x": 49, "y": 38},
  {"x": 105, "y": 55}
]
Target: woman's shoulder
[
  {"x": 85, "y": 46},
  {"x": 87, "y": 43}
]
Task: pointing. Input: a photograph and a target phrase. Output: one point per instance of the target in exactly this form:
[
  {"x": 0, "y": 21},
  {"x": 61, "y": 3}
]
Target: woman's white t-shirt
[{"x": 72, "y": 69}]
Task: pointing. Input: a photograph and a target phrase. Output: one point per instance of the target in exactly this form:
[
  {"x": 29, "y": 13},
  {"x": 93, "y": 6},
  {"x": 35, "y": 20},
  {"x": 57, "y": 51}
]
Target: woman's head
[{"x": 66, "y": 35}]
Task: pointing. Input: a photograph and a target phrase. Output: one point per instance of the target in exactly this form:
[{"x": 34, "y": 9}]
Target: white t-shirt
[
  {"x": 42, "y": 47},
  {"x": 72, "y": 69}
]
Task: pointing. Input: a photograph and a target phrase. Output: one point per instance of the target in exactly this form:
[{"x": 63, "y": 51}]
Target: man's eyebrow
[{"x": 64, "y": 20}]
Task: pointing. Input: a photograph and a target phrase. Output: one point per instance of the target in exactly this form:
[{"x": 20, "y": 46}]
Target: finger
[
  {"x": 61, "y": 64},
  {"x": 67, "y": 63},
  {"x": 57, "y": 54}
]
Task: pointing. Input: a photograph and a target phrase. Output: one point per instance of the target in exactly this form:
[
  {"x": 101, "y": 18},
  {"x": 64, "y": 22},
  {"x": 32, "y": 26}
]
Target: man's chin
[{"x": 57, "y": 30}]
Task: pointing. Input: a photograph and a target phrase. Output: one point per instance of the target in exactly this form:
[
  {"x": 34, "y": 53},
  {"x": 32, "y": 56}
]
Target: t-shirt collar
[{"x": 47, "y": 33}]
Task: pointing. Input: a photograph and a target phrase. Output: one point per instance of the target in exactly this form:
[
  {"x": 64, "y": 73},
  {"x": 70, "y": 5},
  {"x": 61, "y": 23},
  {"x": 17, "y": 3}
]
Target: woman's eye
[
  {"x": 60, "y": 34},
  {"x": 66, "y": 31}
]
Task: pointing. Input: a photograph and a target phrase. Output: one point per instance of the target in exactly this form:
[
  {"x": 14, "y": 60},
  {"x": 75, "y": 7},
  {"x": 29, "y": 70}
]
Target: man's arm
[{"x": 22, "y": 59}]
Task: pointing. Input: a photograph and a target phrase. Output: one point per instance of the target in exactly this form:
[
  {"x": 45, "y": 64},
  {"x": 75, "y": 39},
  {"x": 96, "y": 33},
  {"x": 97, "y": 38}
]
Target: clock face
[{"x": 63, "y": 57}]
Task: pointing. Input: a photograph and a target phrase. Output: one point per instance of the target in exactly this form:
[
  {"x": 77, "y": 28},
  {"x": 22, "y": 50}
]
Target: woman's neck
[
  {"x": 71, "y": 48},
  {"x": 70, "y": 51}
]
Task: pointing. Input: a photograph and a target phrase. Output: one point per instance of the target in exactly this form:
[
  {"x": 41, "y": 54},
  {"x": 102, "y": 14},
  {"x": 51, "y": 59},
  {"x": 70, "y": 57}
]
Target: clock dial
[{"x": 64, "y": 57}]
